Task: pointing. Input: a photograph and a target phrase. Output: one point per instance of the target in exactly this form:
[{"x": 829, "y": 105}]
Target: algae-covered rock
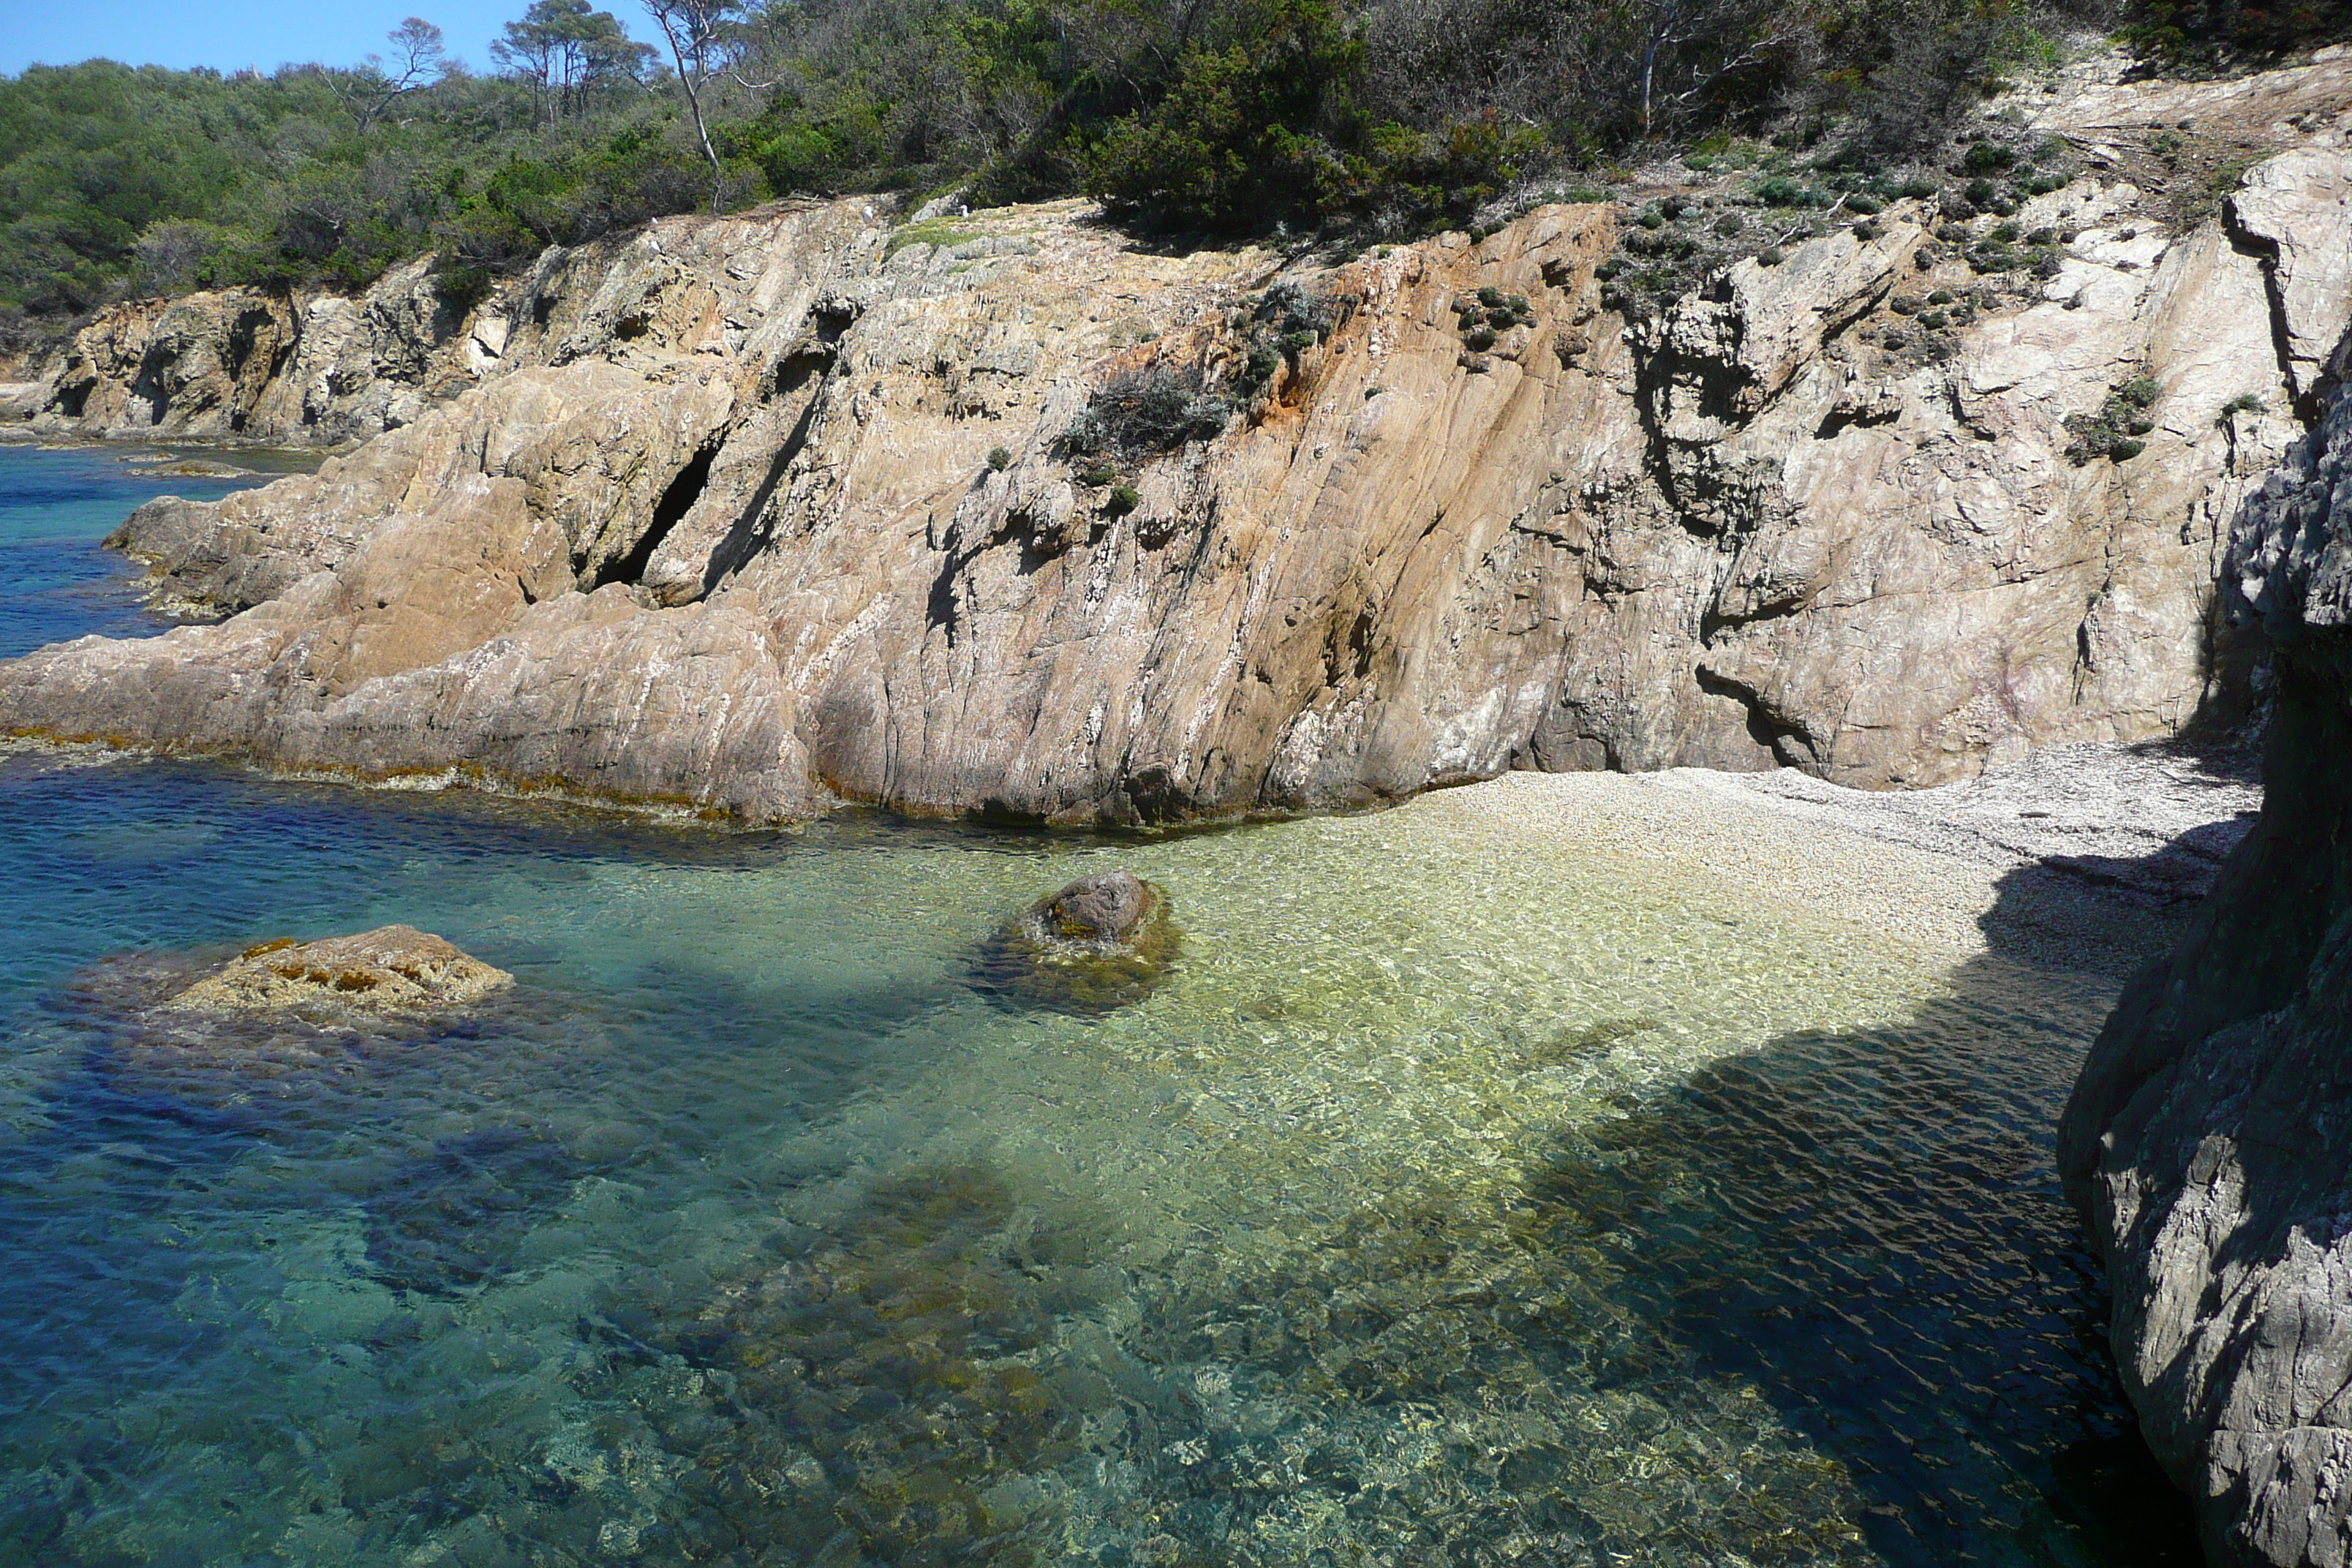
[
  {"x": 1100, "y": 943},
  {"x": 392, "y": 969}
]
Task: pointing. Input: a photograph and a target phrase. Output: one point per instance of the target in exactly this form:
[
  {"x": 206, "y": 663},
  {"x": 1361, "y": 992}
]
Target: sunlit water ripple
[{"x": 1457, "y": 1202}]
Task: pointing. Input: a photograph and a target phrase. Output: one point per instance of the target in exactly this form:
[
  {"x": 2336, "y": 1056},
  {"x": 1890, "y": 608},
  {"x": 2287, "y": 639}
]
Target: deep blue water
[
  {"x": 56, "y": 504},
  {"x": 1448, "y": 1207}
]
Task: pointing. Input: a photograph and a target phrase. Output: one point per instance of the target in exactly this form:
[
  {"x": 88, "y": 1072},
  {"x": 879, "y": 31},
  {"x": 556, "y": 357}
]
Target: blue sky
[{"x": 233, "y": 34}]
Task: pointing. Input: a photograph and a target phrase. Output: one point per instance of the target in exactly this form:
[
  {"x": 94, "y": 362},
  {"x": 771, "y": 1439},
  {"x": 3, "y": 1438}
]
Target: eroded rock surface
[
  {"x": 2209, "y": 1144},
  {"x": 715, "y": 515},
  {"x": 392, "y": 970}
]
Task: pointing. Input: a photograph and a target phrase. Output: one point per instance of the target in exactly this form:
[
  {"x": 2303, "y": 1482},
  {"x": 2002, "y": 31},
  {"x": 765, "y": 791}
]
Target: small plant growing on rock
[
  {"x": 1284, "y": 321},
  {"x": 2115, "y": 430},
  {"x": 1780, "y": 191},
  {"x": 1121, "y": 501},
  {"x": 1146, "y": 411},
  {"x": 2244, "y": 403},
  {"x": 1770, "y": 255},
  {"x": 999, "y": 459}
]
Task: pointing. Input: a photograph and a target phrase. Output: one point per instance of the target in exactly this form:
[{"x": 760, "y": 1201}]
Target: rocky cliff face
[
  {"x": 2209, "y": 1143},
  {"x": 710, "y": 514}
]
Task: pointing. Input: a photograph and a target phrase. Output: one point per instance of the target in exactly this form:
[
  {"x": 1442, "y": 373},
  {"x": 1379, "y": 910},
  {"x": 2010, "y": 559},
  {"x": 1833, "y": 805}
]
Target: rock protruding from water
[
  {"x": 1107, "y": 907},
  {"x": 391, "y": 970},
  {"x": 1101, "y": 943},
  {"x": 2207, "y": 1144}
]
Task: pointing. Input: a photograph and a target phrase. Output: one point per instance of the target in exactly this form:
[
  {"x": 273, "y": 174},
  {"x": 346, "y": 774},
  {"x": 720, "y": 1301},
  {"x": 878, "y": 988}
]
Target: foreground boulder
[
  {"x": 392, "y": 970},
  {"x": 2209, "y": 1142},
  {"x": 1101, "y": 943}
]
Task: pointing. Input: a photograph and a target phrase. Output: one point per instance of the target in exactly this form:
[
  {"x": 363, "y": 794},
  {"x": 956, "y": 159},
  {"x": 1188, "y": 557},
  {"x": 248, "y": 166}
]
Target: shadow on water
[{"x": 1867, "y": 1227}]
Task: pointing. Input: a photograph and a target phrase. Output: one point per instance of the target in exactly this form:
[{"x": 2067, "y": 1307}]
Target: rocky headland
[{"x": 1004, "y": 513}]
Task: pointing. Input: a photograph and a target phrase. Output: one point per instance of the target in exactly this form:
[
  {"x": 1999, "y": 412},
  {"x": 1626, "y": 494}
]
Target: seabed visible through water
[{"x": 1472, "y": 1193}]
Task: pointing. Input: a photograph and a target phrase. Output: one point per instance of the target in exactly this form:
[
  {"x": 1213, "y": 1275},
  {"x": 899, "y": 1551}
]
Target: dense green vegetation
[{"x": 1372, "y": 118}]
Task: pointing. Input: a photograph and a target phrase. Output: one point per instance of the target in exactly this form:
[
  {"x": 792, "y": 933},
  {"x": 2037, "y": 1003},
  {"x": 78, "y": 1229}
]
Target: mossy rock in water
[{"x": 1101, "y": 943}]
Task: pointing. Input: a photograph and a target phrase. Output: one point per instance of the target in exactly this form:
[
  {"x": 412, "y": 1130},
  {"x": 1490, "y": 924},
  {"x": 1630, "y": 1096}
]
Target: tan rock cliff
[{"x": 707, "y": 514}]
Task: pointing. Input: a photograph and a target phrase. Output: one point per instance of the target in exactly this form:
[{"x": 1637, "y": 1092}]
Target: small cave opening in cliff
[{"x": 676, "y": 501}]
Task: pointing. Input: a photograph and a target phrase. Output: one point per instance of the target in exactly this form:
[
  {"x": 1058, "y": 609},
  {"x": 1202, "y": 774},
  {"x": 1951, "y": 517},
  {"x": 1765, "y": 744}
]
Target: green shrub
[
  {"x": 1780, "y": 191},
  {"x": 1121, "y": 501},
  {"x": 1143, "y": 412},
  {"x": 2115, "y": 430},
  {"x": 1984, "y": 157},
  {"x": 936, "y": 232},
  {"x": 999, "y": 459}
]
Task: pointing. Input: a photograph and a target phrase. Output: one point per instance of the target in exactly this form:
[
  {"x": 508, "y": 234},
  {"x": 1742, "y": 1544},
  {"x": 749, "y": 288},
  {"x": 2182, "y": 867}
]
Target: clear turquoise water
[{"x": 1457, "y": 1202}]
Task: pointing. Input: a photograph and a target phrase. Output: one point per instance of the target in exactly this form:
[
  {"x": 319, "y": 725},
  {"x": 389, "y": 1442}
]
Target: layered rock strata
[
  {"x": 757, "y": 513},
  {"x": 2209, "y": 1144}
]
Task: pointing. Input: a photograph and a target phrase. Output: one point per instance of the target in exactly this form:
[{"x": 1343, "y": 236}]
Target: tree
[
  {"x": 418, "y": 59},
  {"x": 563, "y": 51},
  {"x": 702, "y": 35}
]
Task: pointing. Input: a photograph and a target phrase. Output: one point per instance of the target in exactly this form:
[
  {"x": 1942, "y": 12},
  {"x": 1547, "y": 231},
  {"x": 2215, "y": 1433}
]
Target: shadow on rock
[{"x": 1099, "y": 944}]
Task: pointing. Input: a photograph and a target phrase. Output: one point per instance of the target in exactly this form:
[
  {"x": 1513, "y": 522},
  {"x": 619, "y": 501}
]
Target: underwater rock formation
[
  {"x": 1004, "y": 515},
  {"x": 393, "y": 970},
  {"x": 2208, "y": 1144},
  {"x": 1100, "y": 943}
]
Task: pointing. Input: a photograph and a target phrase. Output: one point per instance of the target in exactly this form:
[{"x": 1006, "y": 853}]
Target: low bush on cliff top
[{"x": 1363, "y": 118}]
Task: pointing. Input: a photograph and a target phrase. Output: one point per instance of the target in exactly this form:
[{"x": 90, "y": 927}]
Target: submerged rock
[
  {"x": 456, "y": 1214},
  {"x": 1100, "y": 943},
  {"x": 392, "y": 969}
]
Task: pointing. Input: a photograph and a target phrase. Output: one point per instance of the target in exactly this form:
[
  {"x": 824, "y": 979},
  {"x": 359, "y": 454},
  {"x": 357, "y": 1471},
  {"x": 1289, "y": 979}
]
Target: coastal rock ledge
[
  {"x": 2209, "y": 1143},
  {"x": 1003, "y": 514}
]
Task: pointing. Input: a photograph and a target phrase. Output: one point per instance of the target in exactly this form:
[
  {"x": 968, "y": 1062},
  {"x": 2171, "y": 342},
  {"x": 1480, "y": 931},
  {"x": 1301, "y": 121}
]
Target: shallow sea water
[{"x": 1457, "y": 1201}]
